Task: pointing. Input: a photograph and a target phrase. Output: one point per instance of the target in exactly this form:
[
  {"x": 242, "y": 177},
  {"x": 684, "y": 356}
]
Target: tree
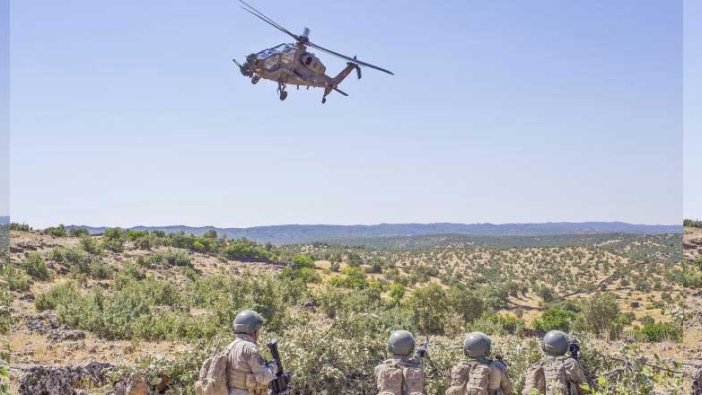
[
  {"x": 429, "y": 305},
  {"x": 599, "y": 313}
]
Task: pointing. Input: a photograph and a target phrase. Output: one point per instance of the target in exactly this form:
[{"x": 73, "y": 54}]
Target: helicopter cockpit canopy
[{"x": 273, "y": 51}]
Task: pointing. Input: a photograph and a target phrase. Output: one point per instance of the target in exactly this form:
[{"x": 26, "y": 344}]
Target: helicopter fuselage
[
  {"x": 289, "y": 64},
  {"x": 292, "y": 64}
]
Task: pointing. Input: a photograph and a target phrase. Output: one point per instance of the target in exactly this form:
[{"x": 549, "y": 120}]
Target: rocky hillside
[{"x": 128, "y": 312}]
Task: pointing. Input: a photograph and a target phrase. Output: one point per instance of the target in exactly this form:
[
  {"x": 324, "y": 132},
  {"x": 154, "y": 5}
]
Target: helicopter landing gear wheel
[
  {"x": 255, "y": 79},
  {"x": 324, "y": 100},
  {"x": 281, "y": 90}
]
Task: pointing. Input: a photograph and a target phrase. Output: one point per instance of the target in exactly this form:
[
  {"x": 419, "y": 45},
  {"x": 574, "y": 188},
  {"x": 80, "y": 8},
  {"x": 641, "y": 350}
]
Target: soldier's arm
[
  {"x": 575, "y": 374},
  {"x": 263, "y": 372},
  {"x": 535, "y": 382},
  {"x": 505, "y": 382},
  {"x": 457, "y": 379}
]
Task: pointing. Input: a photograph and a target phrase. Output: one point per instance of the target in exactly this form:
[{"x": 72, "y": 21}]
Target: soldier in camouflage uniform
[
  {"x": 479, "y": 375},
  {"x": 248, "y": 373},
  {"x": 557, "y": 374},
  {"x": 402, "y": 374},
  {"x": 697, "y": 382}
]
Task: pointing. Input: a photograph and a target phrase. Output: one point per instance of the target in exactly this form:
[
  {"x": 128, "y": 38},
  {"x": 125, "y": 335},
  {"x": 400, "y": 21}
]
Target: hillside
[
  {"x": 156, "y": 304},
  {"x": 294, "y": 234}
]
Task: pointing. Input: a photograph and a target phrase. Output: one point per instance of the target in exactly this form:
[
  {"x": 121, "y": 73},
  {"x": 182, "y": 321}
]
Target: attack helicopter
[{"x": 293, "y": 64}]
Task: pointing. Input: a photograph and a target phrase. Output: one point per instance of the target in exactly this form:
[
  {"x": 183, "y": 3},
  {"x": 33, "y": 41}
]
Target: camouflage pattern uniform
[
  {"x": 247, "y": 371},
  {"x": 474, "y": 376},
  {"x": 397, "y": 376},
  {"x": 556, "y": 376},
  {"x": 697, "y": 382},
  {"x": 402, "y": 374}
]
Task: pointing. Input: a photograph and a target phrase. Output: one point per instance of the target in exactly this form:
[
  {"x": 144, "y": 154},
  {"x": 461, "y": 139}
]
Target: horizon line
[{"x": 9, "y": 218}]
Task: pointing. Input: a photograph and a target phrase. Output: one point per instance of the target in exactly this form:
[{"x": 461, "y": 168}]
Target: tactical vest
[
  {"x": 244, "y": 380},
  {"x": 556, "y": 376},
  {"x": 396, "y": 377},
  {"x": 471, "y": 378}
]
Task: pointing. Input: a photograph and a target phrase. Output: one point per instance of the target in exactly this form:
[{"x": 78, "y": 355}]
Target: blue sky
[
  {"x": 692, "y": 106},
  {"x": 131, "y": 112}
]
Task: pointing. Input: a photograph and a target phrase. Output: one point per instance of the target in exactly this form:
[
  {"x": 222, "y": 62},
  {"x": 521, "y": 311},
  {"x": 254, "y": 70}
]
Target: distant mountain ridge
[
  {"x": 294, "y": 234},
  {"x": 4, "y": 220}
]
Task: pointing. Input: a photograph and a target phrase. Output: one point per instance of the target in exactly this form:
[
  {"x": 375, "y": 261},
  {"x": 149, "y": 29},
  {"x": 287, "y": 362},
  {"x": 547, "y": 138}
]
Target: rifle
[
  {"x": 281, "y": 383},
  {"x": 574, "y": 351},
  {"x": 423, "y": 350},
  {"x": 422, "y": 353}
]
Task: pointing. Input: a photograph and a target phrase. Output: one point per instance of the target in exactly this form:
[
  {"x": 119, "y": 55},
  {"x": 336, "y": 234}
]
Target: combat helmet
[
  {"x": 555, "y": 343},
  {"x": 477, "y": 344},
  {"x": 247, "y": 322},
  {"x": 401, "y": 343}
]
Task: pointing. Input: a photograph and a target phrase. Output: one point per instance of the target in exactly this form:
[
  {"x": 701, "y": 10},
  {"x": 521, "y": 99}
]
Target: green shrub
[
  {"x": 661, "y": 331},
  {"x": 17, "y": 280},
  {"x": 305, "y": 274},
  {"x": 89, "y": 245},
  {"x": 35, "y": 266},
  {"x": 79, "y": 232},
  {"x": 168, "y": 258},
  {"x": 353, "y": 277},
  {"x": 57, "y": 295},
  {"x": 247, "y": 251},
  {"x": 429, "y": 304},
  {"x": 113, "y": 244},
  {"x": 56, "y": 231},
  {"x": 555, "y": 318},
  {"x": 599, "y": 314},
  {"x": 20, "y": 227}
]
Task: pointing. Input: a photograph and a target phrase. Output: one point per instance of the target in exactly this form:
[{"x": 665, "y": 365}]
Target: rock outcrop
[{"x": 62, "y": 380}]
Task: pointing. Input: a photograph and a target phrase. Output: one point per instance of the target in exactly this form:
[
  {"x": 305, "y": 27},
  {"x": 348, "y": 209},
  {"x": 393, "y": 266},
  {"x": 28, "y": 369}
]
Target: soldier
[
  {"x": 248, "y": 373},
  {"x": 402, "y": 374},
  {"x": 479, "y": 375},
  {"x": 557, "y": 374},
  {"x": 697, "y": 382}
]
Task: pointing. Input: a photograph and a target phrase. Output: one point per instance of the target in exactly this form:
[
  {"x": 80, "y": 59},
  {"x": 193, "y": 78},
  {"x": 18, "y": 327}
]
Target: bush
[
  {"x": 79, "y": 232},
  {"x": 89, "y": 245},
  {"x": 661, "y": 331},
  {"x": 35, "y": 266},
  {"x": 20, "y": 227},
  {"x": 429, "y": 304},
  {"x": 247, "y": 251},
  {"x": 599, "y": 313},
  {"x": 113, "y": 244},
  {"x": 353, "y": 277},
  {"x": 555, "y": 318},
  {"x": 56, "y": 231},
  {"x": 168, "y": 258},
  {"x": 17, "y": 280},
  {"x": 57, "y": 295}
]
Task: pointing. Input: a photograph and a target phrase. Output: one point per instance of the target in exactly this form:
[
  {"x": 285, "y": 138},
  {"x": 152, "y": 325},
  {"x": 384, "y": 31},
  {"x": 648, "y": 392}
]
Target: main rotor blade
[
  {"x": 258, "y": 14},
  {"x": 354, "y": 60}
]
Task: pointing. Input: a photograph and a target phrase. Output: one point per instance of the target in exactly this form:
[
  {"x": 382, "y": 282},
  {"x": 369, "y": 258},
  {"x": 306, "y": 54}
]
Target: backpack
[
  {"x": 212, "y": 379},
  {"x": 556, "y": 378},
  {"x": 395, "y": 379},
  {"x": 469, "y": 378}
]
